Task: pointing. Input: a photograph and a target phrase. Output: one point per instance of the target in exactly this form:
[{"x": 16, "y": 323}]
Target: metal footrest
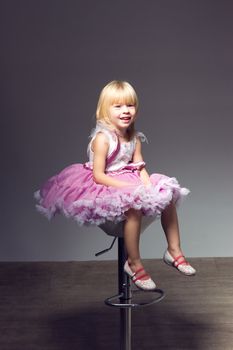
[{"x": 128, "y": 303}]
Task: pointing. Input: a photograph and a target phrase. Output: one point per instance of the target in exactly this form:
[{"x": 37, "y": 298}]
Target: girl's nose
[{"x": 125, "y": 109}]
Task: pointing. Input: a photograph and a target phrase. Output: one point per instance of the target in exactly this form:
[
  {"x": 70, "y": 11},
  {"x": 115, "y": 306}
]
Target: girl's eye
[{"x": 120, "y": 105}]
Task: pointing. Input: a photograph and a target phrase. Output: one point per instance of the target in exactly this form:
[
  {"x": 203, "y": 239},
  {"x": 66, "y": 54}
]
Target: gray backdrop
[{"x": 57, "y": 55}]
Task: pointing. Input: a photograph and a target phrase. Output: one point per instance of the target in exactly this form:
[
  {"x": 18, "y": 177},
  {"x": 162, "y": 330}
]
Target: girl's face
[{"x": 122, "y": 115}]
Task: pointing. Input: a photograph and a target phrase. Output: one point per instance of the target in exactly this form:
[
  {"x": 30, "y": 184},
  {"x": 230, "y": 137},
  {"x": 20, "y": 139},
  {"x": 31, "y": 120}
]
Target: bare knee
[
  {"x": 169, "y": 208},
  {"x": 133, "y": 214}
]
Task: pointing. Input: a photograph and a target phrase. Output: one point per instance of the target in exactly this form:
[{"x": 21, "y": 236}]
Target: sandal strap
[
  {"x": 140, "y": 276},
  {"x": 176, "y": 263},
  {"x": 138, "y": 271}
]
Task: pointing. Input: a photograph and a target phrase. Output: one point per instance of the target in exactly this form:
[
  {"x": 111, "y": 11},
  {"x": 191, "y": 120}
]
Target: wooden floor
[{"x": 59, "y": 306}]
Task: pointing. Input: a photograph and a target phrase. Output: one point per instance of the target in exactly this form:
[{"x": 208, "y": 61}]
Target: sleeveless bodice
[{"x": 123, "y": 155}]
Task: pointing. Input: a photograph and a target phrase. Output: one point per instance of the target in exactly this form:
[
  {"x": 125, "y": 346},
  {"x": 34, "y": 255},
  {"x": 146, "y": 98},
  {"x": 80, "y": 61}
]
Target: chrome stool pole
[{"x": 124, "y": 298}]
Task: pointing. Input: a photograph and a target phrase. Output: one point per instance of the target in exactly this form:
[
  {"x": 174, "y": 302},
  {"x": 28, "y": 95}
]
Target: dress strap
[{"x": 115, "y": 151}]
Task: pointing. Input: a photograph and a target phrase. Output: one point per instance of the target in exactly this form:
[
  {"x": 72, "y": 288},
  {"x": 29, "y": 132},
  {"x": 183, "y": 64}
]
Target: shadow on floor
[{"x": 97, "y": 328}]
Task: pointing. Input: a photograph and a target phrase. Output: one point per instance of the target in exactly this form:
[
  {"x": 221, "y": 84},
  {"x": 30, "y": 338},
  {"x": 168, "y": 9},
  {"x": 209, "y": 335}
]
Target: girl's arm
[
  {"x": 100, "y": 148},
  {"x": 137, "y": 157}
]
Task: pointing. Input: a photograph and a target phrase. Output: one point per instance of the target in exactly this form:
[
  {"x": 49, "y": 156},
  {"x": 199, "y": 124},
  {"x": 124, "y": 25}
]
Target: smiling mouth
[{"x": 125, "y": 118}]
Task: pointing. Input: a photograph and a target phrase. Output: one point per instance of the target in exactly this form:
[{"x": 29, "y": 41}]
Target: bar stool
[{"x": 124, "y": 299}]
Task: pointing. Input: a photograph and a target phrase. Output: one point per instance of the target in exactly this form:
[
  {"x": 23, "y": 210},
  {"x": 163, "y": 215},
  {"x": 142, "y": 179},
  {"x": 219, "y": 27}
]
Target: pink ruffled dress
[{"x": 74, "y": 193}]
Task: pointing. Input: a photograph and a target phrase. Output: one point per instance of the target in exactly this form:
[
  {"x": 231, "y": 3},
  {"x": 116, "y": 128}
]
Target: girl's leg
[
  {"x": 170, "y": 226},
  {"x": 134, "y": 265},
  {"x": 173, "y": 255},
  {"x": 131, "y": 237}
]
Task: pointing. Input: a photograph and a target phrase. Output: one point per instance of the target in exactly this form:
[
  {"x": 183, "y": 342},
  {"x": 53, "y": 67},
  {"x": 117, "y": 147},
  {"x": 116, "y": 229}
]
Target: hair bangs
[{"x": 123, "y": 96}]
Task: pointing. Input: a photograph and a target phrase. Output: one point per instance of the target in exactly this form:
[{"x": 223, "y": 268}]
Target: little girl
[{"x": 115, "y": 186}]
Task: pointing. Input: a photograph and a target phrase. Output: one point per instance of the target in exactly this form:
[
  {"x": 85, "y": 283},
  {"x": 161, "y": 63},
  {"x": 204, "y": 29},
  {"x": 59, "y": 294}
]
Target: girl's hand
[
  {"x": 145, "y": 178},
  {"x": 148, "y": 185}
]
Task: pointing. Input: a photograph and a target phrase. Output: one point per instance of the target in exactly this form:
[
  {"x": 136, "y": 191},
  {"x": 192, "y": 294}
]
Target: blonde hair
[{"x": 116, "y": 92}]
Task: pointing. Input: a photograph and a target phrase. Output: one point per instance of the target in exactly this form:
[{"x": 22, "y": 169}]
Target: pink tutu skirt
[{"x": 74, "y": 193}]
